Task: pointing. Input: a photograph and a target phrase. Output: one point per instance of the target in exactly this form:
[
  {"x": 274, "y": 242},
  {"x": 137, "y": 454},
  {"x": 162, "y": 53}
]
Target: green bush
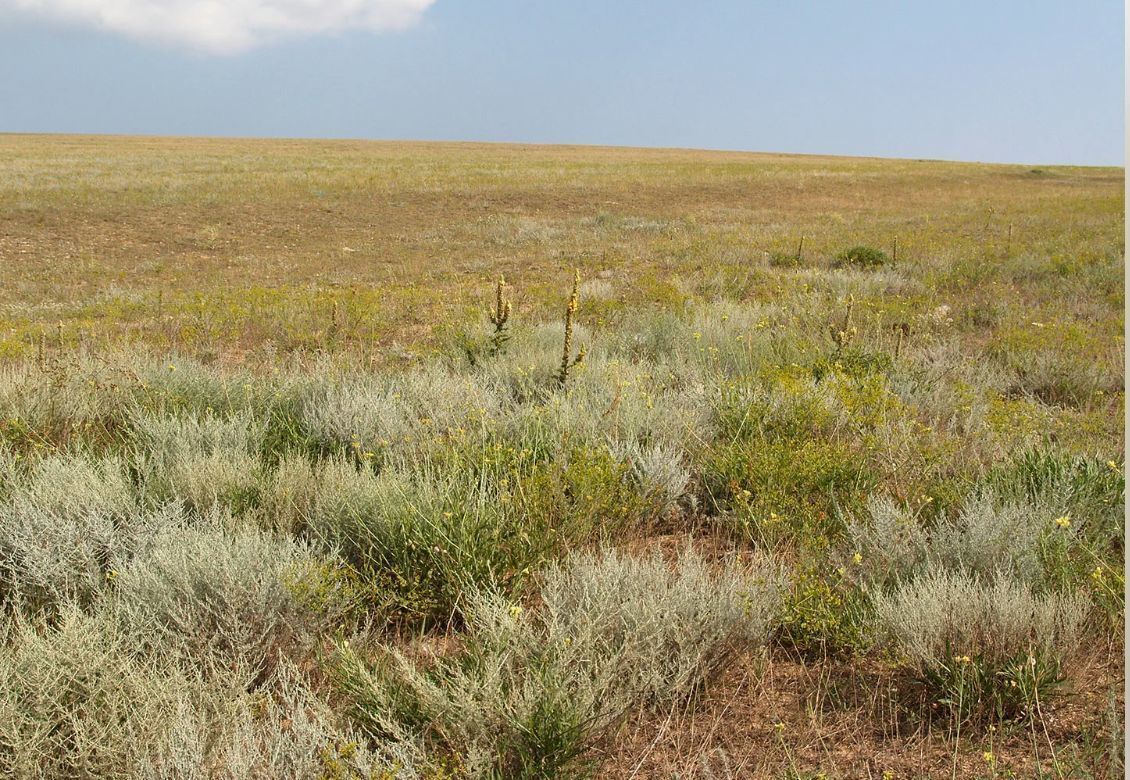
[
  {"x": 852, "y": 362},
  {"x": 419, "y": 542},
  {"x": 774, "y": 491},
  {"x": 1083, "y": 547},
  {"x": 862, "y": 256},
  {"x": 588, "y": 494},
  {"x": 784, "y": 260},
  {"x": 825, "y": 613},
  {"x": 1090, "y": 490}
]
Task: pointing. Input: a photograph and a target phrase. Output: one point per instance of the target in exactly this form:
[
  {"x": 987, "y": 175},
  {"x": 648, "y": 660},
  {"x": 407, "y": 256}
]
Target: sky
[{"x": 1025, "y": 81}]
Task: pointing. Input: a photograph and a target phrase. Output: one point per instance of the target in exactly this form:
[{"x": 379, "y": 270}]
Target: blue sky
[{"x": 1013, "y": 81}]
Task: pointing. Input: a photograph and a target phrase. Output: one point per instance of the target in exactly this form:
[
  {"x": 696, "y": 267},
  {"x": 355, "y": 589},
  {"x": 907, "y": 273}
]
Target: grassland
[{"x": 277, "y": 499}]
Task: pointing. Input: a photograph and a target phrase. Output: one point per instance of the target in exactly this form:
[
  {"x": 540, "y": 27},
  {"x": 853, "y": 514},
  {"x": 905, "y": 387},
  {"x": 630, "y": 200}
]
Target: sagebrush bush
[
  {"x": 287, "y": 494},
  {"x": 64, "y": 526},
  {"x": 985, "y": 536},
  {"x": 203, "y": 461},
  {"x": 72, "y": 399},
  {"x": 660, "y": 472},
  {"x": 82, "y": 699},
  {"x": 181, "y": 386},
  {"x": 1085, "y": 547},
  {"x": 530, "y": 694},
  {"x": 282, "y": 730},
  {"x": 369, "y": 414},
  {"x": 613, "y": 403},
  {"x": 1064, "y": 378},
  {"x": 9, "y": 471},
  {"x": 983, "y": 646},
  {"x": 687, "y": 618},
  {"x": 405, "y": 414},
  {"x": 241, "y": 595},
  {"x": 76, "y": 701}
]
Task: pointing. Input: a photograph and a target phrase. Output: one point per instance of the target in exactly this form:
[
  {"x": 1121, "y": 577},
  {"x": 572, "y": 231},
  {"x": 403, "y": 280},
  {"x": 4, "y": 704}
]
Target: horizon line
[{"x": 551, "y": 144}]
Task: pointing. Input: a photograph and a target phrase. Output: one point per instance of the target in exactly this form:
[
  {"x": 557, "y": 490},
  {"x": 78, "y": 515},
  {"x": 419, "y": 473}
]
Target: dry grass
[
  {"x": 782, "y": 718},
  {"x": 233, "y": 245}
]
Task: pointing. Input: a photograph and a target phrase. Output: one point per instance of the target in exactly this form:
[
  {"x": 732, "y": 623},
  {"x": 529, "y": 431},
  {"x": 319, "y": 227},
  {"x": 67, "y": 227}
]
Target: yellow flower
[
  {"x": 515, "y": 611},
  {"x": 1063, "y": 522},
  {"x": 858, "y": 558},
  {"x": 1113, "y": 466},
  {"x": 988, "y": 756}
]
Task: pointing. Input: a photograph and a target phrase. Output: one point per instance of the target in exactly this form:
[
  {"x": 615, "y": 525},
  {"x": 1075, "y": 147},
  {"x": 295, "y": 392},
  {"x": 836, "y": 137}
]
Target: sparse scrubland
[{"x": 815, "y": 471}]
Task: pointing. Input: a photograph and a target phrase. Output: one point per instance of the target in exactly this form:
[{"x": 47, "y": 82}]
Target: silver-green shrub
[
  {"x": 65, "y": 525},
  {"x": 76, "y": 701},
  {"x": 660, "y": 471},
  {"x": 942, "y": 614},
  {"x": 986, "y": 536},
  {"x": 536, "y": 690},
  {"x": 282, "y": 730},
  {"x": 202, "y": 461},
  {"x": 984, "y": 648},
  {"x": 665, "y": 628},
  {"x": 228, "y": 594},
  {"x": 402, "y": 414},
  {"x": 82, "y": 699},
  {"x": 288, "y": 493}
]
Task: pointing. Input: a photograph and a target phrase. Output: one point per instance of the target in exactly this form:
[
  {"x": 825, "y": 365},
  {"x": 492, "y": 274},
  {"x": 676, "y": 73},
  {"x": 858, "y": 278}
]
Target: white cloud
[{"x": 227, "y": 26}]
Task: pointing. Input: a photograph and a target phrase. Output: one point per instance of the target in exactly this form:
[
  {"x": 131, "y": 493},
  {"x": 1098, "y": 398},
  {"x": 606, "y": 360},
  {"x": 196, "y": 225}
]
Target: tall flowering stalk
[
  {"x": 499, "y": 317},
  {"x": 567, "y": 359}
]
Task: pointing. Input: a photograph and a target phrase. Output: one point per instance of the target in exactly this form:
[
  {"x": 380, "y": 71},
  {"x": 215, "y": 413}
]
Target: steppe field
[{"x": 415, "y": 460}]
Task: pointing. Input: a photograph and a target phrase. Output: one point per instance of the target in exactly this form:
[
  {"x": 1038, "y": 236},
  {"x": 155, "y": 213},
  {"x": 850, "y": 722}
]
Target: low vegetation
[{"x": 740, "y": 506}]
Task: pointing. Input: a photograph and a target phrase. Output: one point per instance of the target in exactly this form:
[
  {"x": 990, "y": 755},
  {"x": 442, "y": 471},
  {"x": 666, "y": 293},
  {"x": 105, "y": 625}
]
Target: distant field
[
  {"x": 754, "y": 466},
  {"x": 231, "y": 245}
]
